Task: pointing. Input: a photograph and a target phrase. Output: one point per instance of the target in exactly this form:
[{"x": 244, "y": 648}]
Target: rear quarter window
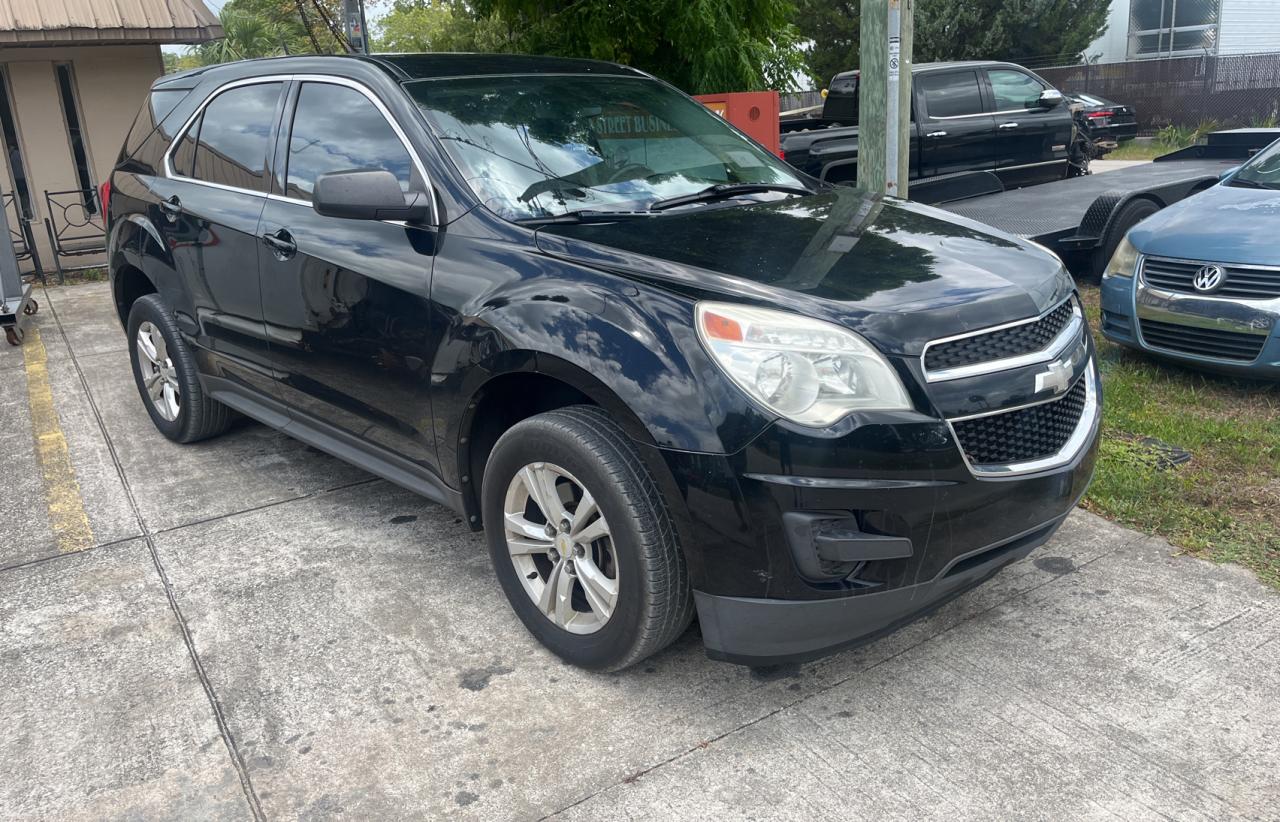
[{"x": 158, "y": 105}]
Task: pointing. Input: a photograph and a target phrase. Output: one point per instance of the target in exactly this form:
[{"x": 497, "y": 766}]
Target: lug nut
[
  {"x": 550, "y": 530},
  {"x": 564, "y": 526}
]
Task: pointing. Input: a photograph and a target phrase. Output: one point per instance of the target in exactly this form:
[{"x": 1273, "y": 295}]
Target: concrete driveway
[{"x": 249, "y": 628}]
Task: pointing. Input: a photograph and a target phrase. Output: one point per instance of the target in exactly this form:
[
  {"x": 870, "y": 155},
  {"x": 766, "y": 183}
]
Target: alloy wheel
[
  {"x": 561, "y": 547},
  {"x": 159, "y": 377}
]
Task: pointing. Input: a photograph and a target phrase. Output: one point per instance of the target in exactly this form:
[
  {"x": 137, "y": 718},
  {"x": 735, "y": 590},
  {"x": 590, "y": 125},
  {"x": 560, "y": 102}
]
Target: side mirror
[
  {"x": 1049, "y": 98},
  {"x": 368, "y": 195},
  {"x": 1226, "y": 175}
]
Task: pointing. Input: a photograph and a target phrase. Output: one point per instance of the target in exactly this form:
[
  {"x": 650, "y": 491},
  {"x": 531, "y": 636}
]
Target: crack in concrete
[
  {"x": 707, "y": 743},
  {"x": 237, "y": 760}
]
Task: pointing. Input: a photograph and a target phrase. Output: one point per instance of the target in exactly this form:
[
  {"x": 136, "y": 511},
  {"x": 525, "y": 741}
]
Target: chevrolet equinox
[{"x": 664, "y": 371}]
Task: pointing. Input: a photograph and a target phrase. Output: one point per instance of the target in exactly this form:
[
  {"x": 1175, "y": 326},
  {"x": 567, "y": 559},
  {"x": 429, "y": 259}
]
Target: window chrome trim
[
  {"x": 1066, "y": 337},
  {"x": 301, "y": 78},
  {"x": 1085, "y": 428}
]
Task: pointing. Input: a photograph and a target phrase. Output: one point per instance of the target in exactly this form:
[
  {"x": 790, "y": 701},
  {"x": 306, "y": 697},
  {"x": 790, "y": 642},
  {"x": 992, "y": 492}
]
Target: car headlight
[
  {"x": 1124, "y": 262},
  {"x": 808, "y": 371}
]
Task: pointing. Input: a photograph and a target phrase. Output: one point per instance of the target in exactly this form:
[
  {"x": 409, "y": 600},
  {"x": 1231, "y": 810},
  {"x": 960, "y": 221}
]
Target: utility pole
[
  {"x": 884, "y": 96},
  {"x": 357, "y": 32}
]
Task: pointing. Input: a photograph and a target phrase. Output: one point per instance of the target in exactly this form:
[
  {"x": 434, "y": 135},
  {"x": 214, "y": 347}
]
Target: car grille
[
  {"x": 1203, "y": 342},
  {"x": 1025, "y": 434},
  {"x": 1000, "y": 344},
  {"x": 1241, "y": 282}
]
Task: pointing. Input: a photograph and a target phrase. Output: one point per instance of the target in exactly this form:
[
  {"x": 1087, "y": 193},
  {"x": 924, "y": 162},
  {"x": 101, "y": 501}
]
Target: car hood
[
  {"x": 1224, "y": 224},
  {"x": 899, "y": 273}
]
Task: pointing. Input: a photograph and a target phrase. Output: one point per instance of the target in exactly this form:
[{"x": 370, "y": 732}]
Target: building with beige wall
[{"x": 73, "y": 74}]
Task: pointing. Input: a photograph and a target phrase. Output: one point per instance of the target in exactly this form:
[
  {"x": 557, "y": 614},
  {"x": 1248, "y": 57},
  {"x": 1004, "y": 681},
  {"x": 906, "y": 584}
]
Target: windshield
[
  {"x": 536, "y": 146},
  {"x": 1263, "y": 170}
]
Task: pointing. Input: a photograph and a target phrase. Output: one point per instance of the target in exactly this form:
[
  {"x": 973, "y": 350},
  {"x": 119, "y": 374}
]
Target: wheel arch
[
  {"x": 128, "y": 283},
  {"x": 530, "y": 384}
]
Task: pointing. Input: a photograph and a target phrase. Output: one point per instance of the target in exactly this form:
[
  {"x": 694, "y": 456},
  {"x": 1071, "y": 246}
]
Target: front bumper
[
  {"x": 753, "y": 631},
  {"x": 910, "y": 524},
  {"x": 1127, "y": 301}
]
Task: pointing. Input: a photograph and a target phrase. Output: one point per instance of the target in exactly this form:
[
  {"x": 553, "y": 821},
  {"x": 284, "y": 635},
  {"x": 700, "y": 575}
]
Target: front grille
[
  {"x": 1025, "y": 434},
  {"x": 1203, "y": 342},
  {"x": 1241, "y": 282},
  {"x": 1027, "y": 338}
]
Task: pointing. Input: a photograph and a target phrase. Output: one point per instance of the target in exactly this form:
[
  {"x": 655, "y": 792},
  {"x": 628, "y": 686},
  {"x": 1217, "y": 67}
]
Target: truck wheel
[
  {"x": 165, "y": 371},
  {"x": 582, "y": 542},
  {"x": 1133, "y": 212}
]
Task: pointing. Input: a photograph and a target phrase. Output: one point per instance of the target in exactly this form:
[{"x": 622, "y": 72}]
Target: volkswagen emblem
[{"x": 1208, "y": 278}]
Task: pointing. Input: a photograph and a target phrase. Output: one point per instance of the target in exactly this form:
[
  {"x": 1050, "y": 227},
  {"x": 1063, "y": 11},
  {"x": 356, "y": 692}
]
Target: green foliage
[
  {"x": 698, "y": 45},
  {"x": 1057, "y": 30},
  {"x": 438, "y": 25},
  {"x": 1016, "y": 30},
  {"x": 268, "y": 28},
  {"x": 832, "y": 27}
]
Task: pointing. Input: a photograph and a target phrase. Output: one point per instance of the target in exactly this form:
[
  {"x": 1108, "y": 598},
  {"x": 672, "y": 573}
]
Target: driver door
[{"x": 346, "y": 302}]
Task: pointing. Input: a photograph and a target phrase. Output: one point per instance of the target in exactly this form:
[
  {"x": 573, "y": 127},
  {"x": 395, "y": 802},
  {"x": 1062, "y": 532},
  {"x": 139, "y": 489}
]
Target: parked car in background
[
  {"x": 662, "y": 369},
  {"x": 966, "y": 116},
  {"x": 1199, "y": 282},
  {"x": 1107, "y": 121}
]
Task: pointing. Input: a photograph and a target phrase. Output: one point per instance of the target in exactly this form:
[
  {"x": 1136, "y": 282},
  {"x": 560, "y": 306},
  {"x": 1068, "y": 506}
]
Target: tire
[
  {"x": 653, "y": 604},
  {"x": 1133, "y": 212},
  {"x": 197, "y": 417}
]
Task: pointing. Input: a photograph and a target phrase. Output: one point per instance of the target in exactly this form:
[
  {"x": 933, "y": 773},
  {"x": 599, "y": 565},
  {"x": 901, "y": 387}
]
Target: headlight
[
  {"x": 809, "y": 371},
  {"x": 1124, "y": 261}
]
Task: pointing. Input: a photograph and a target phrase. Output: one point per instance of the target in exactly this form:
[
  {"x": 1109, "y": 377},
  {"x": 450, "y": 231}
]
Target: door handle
[
  {"x": 1008, "y": 125},
  {"x": 936, "y": 134},
  {"x": 171, "y": 207},
  {"x": 281, "y": 243}
]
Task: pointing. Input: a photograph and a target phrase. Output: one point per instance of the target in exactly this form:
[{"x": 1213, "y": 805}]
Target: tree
[
  {"x": 266, "y": 28},
  {"x": 832, "y": 27},
  {"x": 1037, "y": 31},
  {"x": 1041, "y": 31},
  {"x": 437, "y": 25},
  {"x": 698, "y": 45}
]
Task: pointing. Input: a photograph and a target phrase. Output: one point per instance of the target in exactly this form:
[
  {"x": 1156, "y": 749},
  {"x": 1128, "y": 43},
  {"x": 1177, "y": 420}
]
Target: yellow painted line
[{"x": 61, "y": 490}]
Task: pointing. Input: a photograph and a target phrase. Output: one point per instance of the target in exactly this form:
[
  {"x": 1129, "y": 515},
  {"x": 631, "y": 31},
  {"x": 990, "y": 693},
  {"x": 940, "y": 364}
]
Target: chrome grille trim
[
  {"x": 1089, "y": 419},
  {"x": 1065, "y": 339},
  {"x": 1252, "y": 283}
]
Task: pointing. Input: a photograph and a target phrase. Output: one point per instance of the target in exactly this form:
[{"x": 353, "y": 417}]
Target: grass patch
[
  {"x": 1138, "y": 150},
  {"x": 88, "y": 275},
  {"x": 1222, "y": 505}
]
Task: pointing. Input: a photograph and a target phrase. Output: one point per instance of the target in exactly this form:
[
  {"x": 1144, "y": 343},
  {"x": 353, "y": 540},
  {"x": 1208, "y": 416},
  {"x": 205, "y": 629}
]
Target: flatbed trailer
[{"x": 1084, "y": 218}]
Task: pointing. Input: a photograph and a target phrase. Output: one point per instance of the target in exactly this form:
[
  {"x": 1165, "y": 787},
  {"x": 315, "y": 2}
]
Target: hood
[
  {"x": 899, "y": 273},
  {"x": 1223, "y": 224}
]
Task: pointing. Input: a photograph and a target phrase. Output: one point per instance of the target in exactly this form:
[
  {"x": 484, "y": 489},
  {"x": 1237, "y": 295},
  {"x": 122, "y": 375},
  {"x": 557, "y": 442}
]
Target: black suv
[{"x": 662, "y": 369}]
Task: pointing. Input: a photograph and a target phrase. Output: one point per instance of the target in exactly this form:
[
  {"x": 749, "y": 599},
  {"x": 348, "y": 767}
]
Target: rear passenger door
[
  {"x": 208, "y": 205},
  {"x": 346, "y": 302},
  {"x": 1027, "y": 134},
  {"x": 956, "y": 129}
]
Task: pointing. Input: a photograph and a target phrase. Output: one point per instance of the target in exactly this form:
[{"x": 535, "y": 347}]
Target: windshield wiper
[
  {"x": 724, "y": 191},
  {"x": 1245, "y": 183},
  {"x": 581, "y": 216}
]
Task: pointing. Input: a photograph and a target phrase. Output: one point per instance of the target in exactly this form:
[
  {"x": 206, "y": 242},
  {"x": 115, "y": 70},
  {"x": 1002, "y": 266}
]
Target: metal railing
[
  {"x": 24, "y": 247},
  {"x": 75, "y": 228}
]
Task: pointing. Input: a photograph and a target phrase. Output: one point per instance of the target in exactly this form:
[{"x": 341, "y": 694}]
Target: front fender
[{"x": 631, "y": 349}]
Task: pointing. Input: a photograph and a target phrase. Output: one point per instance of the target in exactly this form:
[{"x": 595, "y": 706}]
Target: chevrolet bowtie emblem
[{"x": 1057, "y": 378}]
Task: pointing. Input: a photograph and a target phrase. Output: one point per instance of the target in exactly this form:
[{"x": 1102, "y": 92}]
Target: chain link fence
[{"x": 1232, "y": 90}]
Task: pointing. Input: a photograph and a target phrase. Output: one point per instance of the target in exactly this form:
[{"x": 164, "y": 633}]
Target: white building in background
[{"x": 1148, "y": 29}]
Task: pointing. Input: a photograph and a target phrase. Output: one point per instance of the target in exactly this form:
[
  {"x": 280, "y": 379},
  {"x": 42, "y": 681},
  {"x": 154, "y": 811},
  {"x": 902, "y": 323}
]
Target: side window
[
  {"x": 235, "y": 130},
  {"x": 336, "y": 128},
  {"x": 951, "y": 94},
  {"x": 1014, "y": 90},
  {"x": 184, "y": 156}
]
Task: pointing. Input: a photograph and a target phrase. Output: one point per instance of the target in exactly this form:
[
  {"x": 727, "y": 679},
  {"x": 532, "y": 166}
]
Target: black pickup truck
[{"x": 965, "y": 116}]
